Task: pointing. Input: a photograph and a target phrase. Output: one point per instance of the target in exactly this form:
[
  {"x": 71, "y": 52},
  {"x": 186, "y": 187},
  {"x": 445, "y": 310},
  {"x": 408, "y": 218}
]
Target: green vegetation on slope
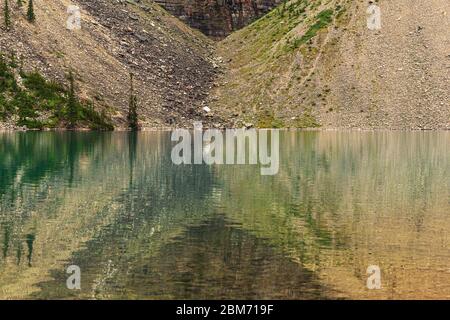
[
  {"x": 324, "y": 18},
  {"x": 30, "y": 100},
  {"x": 272, "y": 64}
]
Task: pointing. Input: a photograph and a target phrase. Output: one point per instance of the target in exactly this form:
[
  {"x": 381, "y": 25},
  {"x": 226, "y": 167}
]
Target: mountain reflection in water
[{"x": 140, "y": 227}]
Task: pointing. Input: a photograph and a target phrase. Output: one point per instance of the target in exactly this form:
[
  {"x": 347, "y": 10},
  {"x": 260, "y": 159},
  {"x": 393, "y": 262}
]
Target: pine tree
[
  {"x": 30, "y": 12},
  {"x": 19, "y": 3},
  {"x": 132, "y": 108},
  {"x": 7, "y": 14},
  {"x": 72, "y": 110}
]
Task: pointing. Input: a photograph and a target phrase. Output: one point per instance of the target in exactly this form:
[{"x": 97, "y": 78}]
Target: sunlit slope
[
  {"x": 313, "y": 63},
  {"x": 172, "y": 63}
]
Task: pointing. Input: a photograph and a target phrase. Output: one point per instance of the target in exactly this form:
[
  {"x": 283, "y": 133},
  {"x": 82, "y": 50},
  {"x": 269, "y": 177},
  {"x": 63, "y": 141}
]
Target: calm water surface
[{"x": 140, "y": 227}]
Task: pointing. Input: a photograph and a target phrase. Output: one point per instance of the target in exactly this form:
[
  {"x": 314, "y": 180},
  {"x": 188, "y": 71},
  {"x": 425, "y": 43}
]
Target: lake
[{"x": 140, "y": 227}]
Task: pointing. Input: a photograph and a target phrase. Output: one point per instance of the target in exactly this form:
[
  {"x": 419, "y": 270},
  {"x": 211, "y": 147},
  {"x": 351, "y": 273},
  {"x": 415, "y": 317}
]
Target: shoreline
[{"x": 152, "y": 129}]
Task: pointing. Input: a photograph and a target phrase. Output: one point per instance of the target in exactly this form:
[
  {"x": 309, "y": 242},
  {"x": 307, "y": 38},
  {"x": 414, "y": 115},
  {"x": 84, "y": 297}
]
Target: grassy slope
[
  {"x": 270, "y": 58},
  {"x": 314, "y": 63}
]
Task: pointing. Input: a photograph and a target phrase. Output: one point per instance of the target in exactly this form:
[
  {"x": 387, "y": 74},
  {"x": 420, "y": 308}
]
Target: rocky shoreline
[{"x": 10, "y": 127}]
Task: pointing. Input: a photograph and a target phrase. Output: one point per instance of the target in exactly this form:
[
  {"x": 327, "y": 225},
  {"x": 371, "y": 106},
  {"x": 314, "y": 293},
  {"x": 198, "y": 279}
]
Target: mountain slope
[
  {"x": 315, "y": 63},
  {"x": 173, "y": 64}
]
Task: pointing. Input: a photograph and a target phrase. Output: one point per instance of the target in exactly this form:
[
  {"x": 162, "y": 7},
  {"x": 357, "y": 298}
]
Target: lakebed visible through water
[{"x": 138, "y": 226}]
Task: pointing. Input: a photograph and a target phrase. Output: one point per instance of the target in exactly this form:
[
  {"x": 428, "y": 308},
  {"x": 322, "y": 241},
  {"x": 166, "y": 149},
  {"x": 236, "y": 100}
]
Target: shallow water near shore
[{"x": 140, "y": 227}]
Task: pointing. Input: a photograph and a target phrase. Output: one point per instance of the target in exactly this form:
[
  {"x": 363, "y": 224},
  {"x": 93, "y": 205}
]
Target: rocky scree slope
[
  {"x": 316, "y": 64},
  {"x": 173, "y": 65}
]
